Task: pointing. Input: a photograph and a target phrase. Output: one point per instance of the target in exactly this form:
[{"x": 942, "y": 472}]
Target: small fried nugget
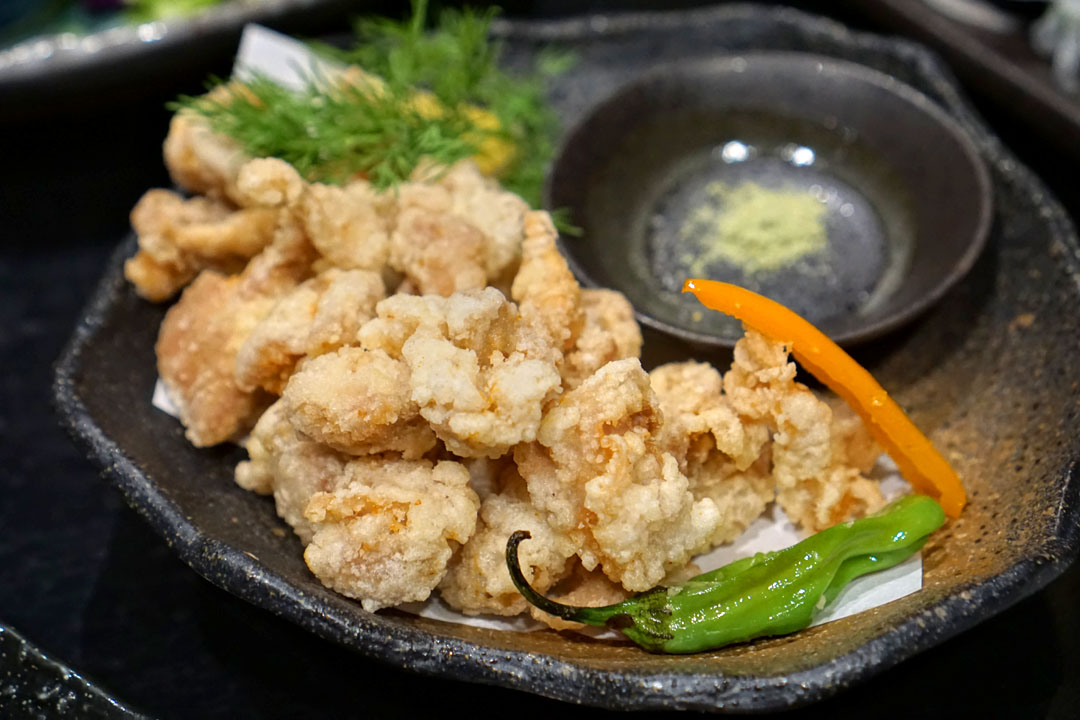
[
  {"x": 201, "y": 160},
  {"x": 437, "y": 252},
  {"x": 598, "y": 473},
  {"x": 320, "y": 315},
  {"x": 497, "y": 213},
  {"x": 480, "y": 392},
  {"x": 290, "y": 466},
  {"x": 609, "y": 332},
  {"x": 349, "y": 225},
  {"x": 178, "y": 238},
  {"x": 813, "y": 487},
  {"x": 699, "y": 419},
  {"x": 477, "y": 580},
  {"x": 546, "y": 292},
  {"x": 723, "y": 459},
  {"x": 202, "y": 333},
  {"x": 386, "y": 535},
  {"x": 358, "y": 401}
]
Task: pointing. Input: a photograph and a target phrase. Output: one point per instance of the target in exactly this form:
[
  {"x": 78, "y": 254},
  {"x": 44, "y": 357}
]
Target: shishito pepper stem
[{"x": 919, "y": 461}]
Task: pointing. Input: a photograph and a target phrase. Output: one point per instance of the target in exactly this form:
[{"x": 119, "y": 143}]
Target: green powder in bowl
[{"x": 754, "y": 228}]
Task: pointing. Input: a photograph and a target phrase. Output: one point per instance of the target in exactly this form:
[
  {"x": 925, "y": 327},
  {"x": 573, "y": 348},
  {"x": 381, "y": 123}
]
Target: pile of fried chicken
[{"x": 416, "y": 374}]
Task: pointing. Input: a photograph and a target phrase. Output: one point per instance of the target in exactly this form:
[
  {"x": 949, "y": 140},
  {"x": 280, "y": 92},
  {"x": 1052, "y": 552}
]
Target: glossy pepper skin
[{"x": 766, "y": 594}]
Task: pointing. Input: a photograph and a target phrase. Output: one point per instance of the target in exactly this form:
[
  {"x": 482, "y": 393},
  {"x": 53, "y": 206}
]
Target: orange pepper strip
[{"x": 919, "y": 461}]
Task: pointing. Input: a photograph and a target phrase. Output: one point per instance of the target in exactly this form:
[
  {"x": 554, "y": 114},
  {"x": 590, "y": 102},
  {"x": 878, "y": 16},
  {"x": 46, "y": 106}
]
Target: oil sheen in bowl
[{"x": 831, "y": 188}]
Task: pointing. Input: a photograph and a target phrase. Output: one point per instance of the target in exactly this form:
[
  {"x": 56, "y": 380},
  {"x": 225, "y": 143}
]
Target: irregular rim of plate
[{"x": 388, "y": 639}]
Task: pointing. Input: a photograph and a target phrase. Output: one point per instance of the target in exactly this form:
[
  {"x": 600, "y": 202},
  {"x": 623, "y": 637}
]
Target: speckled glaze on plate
[{"x": 990, "y": 372}]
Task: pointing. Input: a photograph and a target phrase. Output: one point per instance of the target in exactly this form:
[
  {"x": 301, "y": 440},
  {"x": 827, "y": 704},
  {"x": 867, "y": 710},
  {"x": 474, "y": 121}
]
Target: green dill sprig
[{"x": 334, "y": 133}]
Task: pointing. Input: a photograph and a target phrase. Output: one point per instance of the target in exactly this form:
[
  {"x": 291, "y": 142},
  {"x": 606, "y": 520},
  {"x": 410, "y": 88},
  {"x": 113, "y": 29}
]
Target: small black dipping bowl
[{"x": 905, "y": 198}]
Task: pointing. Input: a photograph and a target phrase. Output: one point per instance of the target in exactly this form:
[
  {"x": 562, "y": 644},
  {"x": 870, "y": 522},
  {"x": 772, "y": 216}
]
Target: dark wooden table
[{"x": 87, "y": 581}]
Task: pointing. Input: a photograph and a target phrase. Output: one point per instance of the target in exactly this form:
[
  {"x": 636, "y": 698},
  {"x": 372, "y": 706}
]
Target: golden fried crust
[
  {"x": 358, "y": 401},
  {"x": 439, "y": 253},
  {"x": 202, "y": 161},
  {"x": 545, "y": 290},
  {"x": 609, "y": 332},
  {"x": 723, "y": 459},
  {"x": 290, "y": 466},
  {"x": 319, "y": 316},
  {"x": 467, "y": 372},
  {"x": 196, "y": 347},
  {"x": 385, "y": 536},
  {"x": 498, "y": 214},
  {"x": 477, "y": 580},
  {"x": 814, "y": 487},
  {"x": 597, "y": 472},
  {"x": 203, "y": 332},
  {"x": 178, "y": 238}
]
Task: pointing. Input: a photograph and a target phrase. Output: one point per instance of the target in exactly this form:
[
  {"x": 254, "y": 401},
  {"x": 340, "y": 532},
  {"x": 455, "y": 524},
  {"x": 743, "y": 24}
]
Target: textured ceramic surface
[
  {"x": 990, "y": 371},
  {"x": 904, "y": 195}
]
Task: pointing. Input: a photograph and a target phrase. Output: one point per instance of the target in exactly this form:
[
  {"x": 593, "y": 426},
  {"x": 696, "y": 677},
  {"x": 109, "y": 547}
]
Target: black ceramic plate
[{"x": 990, "y": 371}]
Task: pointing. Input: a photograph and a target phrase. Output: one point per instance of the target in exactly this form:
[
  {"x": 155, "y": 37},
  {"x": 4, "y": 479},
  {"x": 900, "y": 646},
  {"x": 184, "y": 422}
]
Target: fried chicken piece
[
  {"x": 477, "y": 580},
  {"x": 814, "y": 488},
  {"x": 699, "y": 419},
  {"x": 467, "y": 372},
  {"x": 290, "y": 466},
  {"x": 546, "y": 292},
  {"x": 349, "y": 225},
  {"x": 358, "y": 401},
  {"x": 202, "y": 333},
  {"x": 201, "y": 160},
  {"x": 723, "y": 459},
  {"x": 386, "y": 535},
  {"x": 497, "y": 213},
  {"x": 320, "y": 315},
  {"x": 178, "y": 238},
  {"x": 597, "y": 472},
  {"x": 438, "y": 252},
  {"x": 609, "y": 332}
]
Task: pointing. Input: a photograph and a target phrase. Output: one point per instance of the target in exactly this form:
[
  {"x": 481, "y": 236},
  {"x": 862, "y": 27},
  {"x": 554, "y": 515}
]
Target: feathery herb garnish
[{"x": 440, "y": 94}]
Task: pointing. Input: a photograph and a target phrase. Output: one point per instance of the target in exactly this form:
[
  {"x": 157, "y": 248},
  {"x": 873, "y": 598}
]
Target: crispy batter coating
[
  {"x": 386, "y": 535},
  {"x": 598, "y": 473},
  {"x": 546, "y": 292},
  {"x": 609, "y": 332},
  {"x": 480, "y": 392},
  {"x": 477, "y": 580},
  {"x": 358, "y": 401},
  {"x": 290, "y": 466},
  {"x": 347, "y": 225},
  {"x": 178, "y": 238},
  {"x": 499, "y": 214},
  {"x": 438, "y": 252},
  {"x": 320, "y": 315},
  {"x": 203, "y": 332},
  {"x": 815, "y": 489},
  {"x": 201, "y": 160},
  {"x": 724, "y": 459}
]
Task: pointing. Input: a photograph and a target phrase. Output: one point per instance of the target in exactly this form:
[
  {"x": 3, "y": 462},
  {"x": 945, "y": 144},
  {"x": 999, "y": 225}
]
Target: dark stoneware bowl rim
[
  {"x": 722, "y": 63},
  {"x": 386, "y": 638}
]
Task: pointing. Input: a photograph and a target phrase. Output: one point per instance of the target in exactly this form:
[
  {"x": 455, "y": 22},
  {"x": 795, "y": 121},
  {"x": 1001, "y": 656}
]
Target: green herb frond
[{"x": 332, "y": 134}]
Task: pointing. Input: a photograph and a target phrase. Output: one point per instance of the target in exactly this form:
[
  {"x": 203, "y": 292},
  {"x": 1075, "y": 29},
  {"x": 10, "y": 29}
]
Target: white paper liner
[{"x": 290, "y": 63}]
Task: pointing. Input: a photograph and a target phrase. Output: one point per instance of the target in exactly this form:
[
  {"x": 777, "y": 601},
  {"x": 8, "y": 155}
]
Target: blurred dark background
[{"x": 87, "y": 581}]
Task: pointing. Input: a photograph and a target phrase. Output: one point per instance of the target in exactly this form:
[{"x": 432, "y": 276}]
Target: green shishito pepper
[{"x": 767, "y": 594}]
